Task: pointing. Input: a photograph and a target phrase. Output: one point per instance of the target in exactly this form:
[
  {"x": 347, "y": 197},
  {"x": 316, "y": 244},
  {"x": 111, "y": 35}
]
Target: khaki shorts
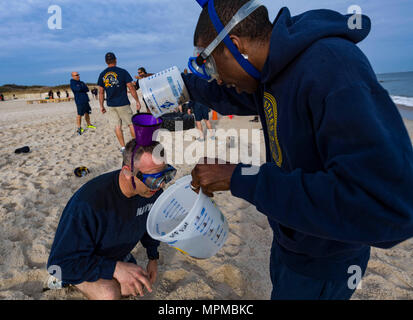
[{"x": 119, "y": 115}]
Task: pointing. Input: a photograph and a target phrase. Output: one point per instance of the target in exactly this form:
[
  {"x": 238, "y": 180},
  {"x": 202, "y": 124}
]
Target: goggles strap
[
  {"x": 202, "y": 3},
  {"x": 244, "y": 63},
  {"x": 132, "y": 165}
]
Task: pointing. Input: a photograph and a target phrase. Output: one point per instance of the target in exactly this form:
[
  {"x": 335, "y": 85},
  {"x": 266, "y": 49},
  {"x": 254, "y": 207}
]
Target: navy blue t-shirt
[
  {"x": 98, "y": 227},
  {"x": 114, "y": 80}
]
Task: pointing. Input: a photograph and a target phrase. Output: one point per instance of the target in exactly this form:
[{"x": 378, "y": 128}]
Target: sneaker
[
  {"x": 122, "y": 149},
  {"x": 200, "y": 139},
  {"x": 79, "y": 131},
  {"x": 91, "y": 126},
  {"x": 212, "y": 137}
]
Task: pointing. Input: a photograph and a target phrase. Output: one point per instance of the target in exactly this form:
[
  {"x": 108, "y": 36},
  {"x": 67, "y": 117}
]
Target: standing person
[
  {"x": 50, "y": 94},
  {"x": 141, "y": 74},
  {"x": 58, "y": 94},
  {"x": 80, "y": 91},
  {"x": 67, "y": 94},
  {"x": 103, "y": 222},
  {"x": 115, "y": 81},
  {"x": 95, "y": 93},
  {"x": 1, "y": 97},
  {"x": 201, "y": 112},
  {"x": 338, "y": 176}
]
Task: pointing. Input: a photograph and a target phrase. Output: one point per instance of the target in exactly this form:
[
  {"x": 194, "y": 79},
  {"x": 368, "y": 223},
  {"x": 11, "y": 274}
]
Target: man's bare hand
[
  {"x": 152, "y": 269},
  {"x": 132, "y": 278},
  {"x": 103, "y": 110},
  {"x": 211, "y": 176}
]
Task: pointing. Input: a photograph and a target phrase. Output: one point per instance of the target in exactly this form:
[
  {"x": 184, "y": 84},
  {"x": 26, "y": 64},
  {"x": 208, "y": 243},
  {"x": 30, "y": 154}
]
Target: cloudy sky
[{"x": 157, "y": 34}]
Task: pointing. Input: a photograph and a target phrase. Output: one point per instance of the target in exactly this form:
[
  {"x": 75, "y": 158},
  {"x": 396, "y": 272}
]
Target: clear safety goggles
[
  {"x": 203, "y": 64},
  {"x": 203, "y": 67}
]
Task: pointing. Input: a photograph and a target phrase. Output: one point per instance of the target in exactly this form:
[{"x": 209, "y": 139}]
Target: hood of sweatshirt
[{"x": 291, "y": 36}]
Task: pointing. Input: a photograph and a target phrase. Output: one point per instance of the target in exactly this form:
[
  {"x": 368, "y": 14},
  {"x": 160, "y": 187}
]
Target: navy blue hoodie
[
  {"x": 80, "y": 91},
  {"x": 98, "y": 227},
  {"x": 339, "y": 172}
]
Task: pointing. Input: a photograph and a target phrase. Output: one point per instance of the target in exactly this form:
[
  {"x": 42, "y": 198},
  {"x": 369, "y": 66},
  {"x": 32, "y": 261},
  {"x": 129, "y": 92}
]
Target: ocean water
[{"x": 400, "y": 87}]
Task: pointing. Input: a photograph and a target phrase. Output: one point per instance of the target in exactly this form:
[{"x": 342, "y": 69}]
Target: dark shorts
[
  {"x": 201, "y": 112},
  {"x": 83, "y": 108}
]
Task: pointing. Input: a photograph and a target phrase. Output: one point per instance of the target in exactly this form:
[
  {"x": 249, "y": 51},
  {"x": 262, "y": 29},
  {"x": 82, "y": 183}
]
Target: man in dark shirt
[
  {"x": 103, "y": 222},
  {"x": 115, "y": 81},
  {"x": 80, "y": 91}
]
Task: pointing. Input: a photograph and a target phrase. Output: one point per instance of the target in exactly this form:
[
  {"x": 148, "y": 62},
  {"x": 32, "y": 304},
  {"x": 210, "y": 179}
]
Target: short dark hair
[
  {"x": 142, "y": 69},
  {"x": 110, "y": 57},
  {"x": 256, "y": 26},
  {"x": 155, "y": 148}
]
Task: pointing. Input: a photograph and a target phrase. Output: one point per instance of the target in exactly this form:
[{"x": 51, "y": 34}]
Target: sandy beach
[{"x": 35, "y": 188}]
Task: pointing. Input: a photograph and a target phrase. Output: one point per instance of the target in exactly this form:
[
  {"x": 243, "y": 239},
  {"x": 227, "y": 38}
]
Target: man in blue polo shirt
[{"x": 115, "y": 81}]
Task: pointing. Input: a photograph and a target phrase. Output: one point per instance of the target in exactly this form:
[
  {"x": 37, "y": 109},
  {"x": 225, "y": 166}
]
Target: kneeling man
[{"x": 103, "y": 222}]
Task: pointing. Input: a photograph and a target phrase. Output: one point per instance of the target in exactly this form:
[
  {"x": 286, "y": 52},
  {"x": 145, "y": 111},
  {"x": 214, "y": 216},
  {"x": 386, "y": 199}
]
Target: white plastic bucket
[
  {"x": 164, "y": 91},
  {"x": 187, "y": 221}
]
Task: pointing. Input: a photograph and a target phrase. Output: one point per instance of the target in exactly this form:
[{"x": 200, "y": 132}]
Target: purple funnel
[{"x": 145, "y": 124}]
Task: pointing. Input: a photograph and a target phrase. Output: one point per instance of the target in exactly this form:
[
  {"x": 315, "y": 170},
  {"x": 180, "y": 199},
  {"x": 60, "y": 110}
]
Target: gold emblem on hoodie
[{"x": 271, "y": 115}]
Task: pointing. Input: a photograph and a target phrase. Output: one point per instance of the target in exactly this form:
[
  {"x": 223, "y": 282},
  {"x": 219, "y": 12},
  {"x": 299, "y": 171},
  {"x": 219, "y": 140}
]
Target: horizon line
[{"x": 93, "y": 83}]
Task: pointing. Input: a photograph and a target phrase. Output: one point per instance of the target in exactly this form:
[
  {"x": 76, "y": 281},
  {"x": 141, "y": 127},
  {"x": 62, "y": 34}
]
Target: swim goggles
[
  {"x": 154, "y": 180},
  {"x": 203, "y": 64}
]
